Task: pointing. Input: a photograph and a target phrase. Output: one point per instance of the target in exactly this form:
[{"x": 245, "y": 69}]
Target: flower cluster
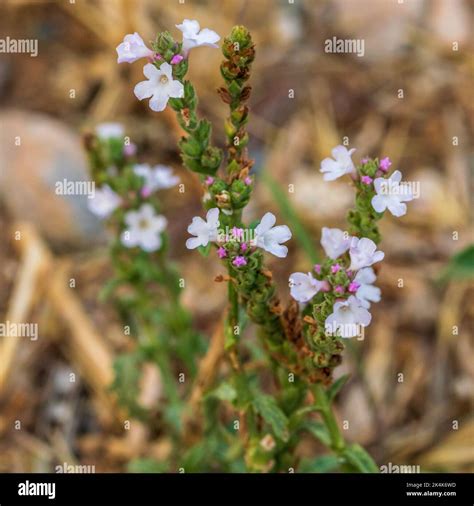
[
  {"x": 376, "y": 190},
  {"x": 131, "y": 196},
  {"x": 234, "y": 246},
  {"x": 164, "y": 59},
  {"x": 345, "y": 278},
  {"x": 388, "y": 192},
  {"x": 341, "y": 288}
]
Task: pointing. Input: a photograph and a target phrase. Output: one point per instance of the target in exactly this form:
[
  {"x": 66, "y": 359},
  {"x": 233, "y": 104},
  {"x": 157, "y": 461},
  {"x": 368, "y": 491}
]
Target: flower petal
[
  {"x": 193, "y": 243},
  {"x": 277, "y": 250},
  {"x": 159, "y": 101},
  {"x": 207, "y": 37},
  {"x": 144, "y": 89},
  {"x": 151, "y": 72},
  {"x": 175, "y": 89},
  {"x": 379, "y": 203},
  {"x": 266, "y": 223}
]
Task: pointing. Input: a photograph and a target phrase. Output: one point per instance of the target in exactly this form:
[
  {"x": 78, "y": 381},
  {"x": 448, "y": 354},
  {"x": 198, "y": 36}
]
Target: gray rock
[{"x": 37, "y": 152}]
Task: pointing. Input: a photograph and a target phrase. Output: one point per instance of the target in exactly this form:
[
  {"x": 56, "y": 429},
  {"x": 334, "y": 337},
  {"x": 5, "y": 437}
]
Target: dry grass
[{"x": 402, "y": 419}]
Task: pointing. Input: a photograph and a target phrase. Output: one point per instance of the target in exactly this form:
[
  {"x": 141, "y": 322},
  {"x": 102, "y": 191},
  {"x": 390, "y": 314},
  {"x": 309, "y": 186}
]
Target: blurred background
[{"x": 410, "y": 397}]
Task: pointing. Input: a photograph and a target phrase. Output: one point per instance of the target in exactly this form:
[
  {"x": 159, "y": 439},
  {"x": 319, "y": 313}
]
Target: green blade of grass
[{"x": 288, "y": 212}]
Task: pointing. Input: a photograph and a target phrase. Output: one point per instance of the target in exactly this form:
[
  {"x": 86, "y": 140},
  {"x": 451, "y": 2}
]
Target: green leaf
[
  {"x": 127, "y": 369},
  {"x": 230, "y": 338},
  {"x": 360, "y": 459},
  {"x": 203, "y": 131},
  {"x": 334, "y": 389},
  {"x": 190, "y": 147},
  {"x": 461, "y": 265},
  {"x": 224, "y": 392},
  {"x": 204, "y": 250},
  {"x": 268, "y": 409},
  {"x": 193, "y": 164},
  {"x": 234, "y": 89},
  {"x": 176, "y": 103},
  {"x": 147, "y": 466},
  {"x": 322, "y": 464},
  {"x": 318, "y": 430}
]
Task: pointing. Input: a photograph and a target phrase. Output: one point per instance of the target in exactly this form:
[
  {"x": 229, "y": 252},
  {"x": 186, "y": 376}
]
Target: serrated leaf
[
  {"x": 318, "y": 430},
  {"x": 269, "y": 410},
  {"x": 360, "y": 459},
  {"x": 334, "y": 389},
  {"x": 203, "y": 131},
  {"x": 190, "y": 147},
  {"x": 193, "y": 164}
]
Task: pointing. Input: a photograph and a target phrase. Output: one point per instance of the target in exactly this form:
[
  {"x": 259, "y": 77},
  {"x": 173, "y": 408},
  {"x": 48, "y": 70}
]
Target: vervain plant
[
  {"x": 299, "y": 345},
  {"x": 127, "y": 198}
]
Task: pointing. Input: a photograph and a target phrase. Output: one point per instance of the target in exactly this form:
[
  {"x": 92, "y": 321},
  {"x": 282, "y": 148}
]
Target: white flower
[
  {"x": 204, "y": 231},
  {"x": 109, "y": 131},
  {"x": 160, "y": 86},
  {"x": 363, "y": 253},
  {"x": 104, "y": 202},
  {"x": 335, "y": 242},
  {"x": 144, "y": 229},
  {"x": 342, "y": 163},
  {"x": 159, "y": 177},
  {"x": 391, "y": 194},
  {"x": 269, "y": 237},
  {"x": 303, "y": 287},
  {"x": 367, "y": 292},
  {"x": 132, "y": 49},
  {"x": 192, "y": 37},
  {"x": 347, "y": 318}
]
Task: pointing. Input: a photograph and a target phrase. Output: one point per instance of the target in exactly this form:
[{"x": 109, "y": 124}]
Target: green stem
[{"x": 338, "y": 443}]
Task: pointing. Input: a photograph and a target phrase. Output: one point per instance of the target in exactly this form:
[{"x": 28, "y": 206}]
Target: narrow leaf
[
  {"x": 334, "y": 389},
  {"x": 360, "y": 459},
  {"x": 269, "y": 410}
]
